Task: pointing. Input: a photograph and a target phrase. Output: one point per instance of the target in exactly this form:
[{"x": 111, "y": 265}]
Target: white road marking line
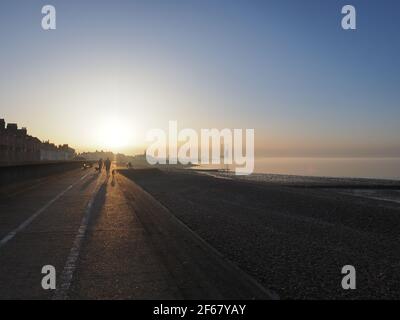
[
  {"x": 65, "y": 281},
  {"x": 28, "y": 221}
]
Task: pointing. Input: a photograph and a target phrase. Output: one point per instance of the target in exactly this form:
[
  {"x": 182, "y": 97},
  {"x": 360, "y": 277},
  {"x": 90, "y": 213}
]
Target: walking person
[
  {"x": 107, "y": 163},
  {"x": 100, "y": 162}
]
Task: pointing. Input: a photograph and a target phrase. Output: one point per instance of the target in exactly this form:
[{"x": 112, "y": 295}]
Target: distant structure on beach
[{"x": 17, "y": 146}]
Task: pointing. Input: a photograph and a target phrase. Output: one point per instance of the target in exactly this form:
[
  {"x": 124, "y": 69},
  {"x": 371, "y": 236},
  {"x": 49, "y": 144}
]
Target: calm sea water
[
  {"x": 381, "y": 168},
  {"x": 384, "y": 168}
]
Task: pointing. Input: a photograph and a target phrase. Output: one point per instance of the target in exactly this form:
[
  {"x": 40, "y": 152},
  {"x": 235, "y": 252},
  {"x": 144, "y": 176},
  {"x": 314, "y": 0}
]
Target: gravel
[{"x": 294, "y": 240}]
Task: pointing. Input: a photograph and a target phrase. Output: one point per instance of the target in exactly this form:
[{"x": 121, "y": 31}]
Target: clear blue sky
[{"x": 284, "y": 68}]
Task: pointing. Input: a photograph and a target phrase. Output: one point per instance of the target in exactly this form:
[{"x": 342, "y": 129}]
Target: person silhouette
[
  {"x": 100, "y": 162},
  {"x": 107, "y": 163}
]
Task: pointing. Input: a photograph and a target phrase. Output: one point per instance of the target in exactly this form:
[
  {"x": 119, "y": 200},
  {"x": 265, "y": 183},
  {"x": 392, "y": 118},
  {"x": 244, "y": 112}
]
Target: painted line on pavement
[
  {"x": 66, "y": 277},
  {"x": 28, "y": 221}
]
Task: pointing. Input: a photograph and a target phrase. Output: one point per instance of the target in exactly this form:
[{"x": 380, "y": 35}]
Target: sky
[{"x": 112, "y": 70}]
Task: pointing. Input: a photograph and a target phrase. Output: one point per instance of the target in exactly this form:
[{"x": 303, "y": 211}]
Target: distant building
[
  {"x": 17, "y": 146},
  {"x": 97, "y": 155},
  {"x": 50, "y": 152}
]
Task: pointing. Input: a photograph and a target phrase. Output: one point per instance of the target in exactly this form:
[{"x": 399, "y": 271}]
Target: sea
[{"x": 375, "y": 168}]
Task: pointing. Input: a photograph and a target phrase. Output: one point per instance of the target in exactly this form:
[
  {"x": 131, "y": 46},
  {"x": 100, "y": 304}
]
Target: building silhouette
[{"x": 16, "y": 146}]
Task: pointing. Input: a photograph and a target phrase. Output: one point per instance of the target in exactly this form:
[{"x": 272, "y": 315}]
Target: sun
[{"x": 113, "y": 133}]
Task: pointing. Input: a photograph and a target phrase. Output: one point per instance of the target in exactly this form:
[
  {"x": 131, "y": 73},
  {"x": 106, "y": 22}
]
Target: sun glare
[{"x": 113, "y": 133}]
